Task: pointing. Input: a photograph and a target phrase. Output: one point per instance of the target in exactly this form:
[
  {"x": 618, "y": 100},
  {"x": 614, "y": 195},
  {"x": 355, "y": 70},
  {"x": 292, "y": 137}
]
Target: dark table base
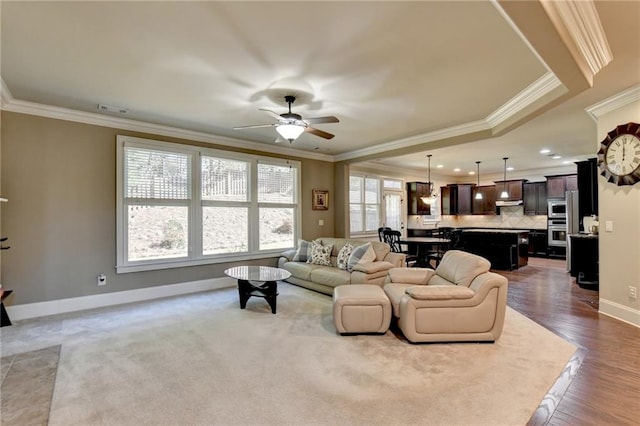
[{"x": 267, "y": 290}]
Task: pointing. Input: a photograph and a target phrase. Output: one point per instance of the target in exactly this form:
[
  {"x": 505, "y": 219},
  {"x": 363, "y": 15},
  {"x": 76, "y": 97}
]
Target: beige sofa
[
  {"x": 460, "y": 301},
  {"x": 325, "y": 278}
]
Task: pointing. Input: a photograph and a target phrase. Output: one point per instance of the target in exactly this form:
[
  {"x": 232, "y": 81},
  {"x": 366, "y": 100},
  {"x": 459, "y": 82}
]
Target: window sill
[{"x": 197, "y": 262}]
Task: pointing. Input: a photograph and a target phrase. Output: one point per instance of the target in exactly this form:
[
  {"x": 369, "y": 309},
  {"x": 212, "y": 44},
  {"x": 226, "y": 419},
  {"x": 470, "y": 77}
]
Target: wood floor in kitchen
[{"x": 606, "y": 387}]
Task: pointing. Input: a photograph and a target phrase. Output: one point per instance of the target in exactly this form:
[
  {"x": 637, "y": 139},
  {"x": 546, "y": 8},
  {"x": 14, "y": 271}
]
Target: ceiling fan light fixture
[{"x": 290, "y": 132}]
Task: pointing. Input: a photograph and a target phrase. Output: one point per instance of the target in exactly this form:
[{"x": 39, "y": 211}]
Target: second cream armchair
[{"x": 460, "y": 301}]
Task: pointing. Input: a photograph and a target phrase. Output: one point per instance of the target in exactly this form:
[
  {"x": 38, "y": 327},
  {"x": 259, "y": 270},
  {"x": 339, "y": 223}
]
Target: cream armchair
[{"x": 459, "y": 301}]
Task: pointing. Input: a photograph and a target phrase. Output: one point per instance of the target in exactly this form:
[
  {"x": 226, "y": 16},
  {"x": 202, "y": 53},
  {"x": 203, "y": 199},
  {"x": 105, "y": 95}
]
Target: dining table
[{"x": 424, "y": 245}]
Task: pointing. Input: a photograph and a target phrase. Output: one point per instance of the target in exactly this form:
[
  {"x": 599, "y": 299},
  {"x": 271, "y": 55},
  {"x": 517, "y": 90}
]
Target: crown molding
[
  {"x": 582, "y": 24},
  {"x": 536, "y": 90},
  {"x": 5, "y": 94},
  {"x": 448, "y": 132},
  {"x": 31, "y": 108},
  {"x": 614, "y": 102}
]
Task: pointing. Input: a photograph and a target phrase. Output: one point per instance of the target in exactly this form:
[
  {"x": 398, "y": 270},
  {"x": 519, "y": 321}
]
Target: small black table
[
  {"x": 260, "y": 281},
  {"x": 4, "y": 317}
]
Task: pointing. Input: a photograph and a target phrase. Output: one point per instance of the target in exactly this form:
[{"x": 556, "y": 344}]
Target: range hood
[{"x": 508, "y": 203}]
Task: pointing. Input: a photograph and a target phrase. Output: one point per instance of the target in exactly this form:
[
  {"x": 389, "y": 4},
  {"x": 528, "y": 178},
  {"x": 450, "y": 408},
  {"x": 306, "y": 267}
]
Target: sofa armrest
[
  {"x": 419, "y": 276},
  {"x": 396, "y": 259},
  {"x": 372, "y": 267},
  {"x": 439, "y": 292}
]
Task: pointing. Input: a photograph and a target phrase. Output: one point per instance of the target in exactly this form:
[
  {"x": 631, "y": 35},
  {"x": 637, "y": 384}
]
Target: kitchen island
[{"x": 506, "y": 249}]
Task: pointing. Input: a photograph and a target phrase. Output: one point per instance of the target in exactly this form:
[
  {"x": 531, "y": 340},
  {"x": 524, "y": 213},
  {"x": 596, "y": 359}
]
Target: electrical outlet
[
  {"x": 102, "y": 279},
  {"x": 633, "y": 294}
]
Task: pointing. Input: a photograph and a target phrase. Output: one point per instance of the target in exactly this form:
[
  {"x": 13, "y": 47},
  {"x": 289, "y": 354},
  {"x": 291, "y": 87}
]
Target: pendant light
[
  {"x": 504, "y": 193},
  {"x": 478, "y": 193},
  {"x": 432, "y": 196}
]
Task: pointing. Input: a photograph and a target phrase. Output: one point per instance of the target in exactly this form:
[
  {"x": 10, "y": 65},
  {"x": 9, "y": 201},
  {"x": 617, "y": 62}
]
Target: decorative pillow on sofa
[
  {"x": 343, "y": 256},
  {"x": 320, "y": 255},
  {"x": 361, "y": 254},
  {"x": 304, "y": 251}
]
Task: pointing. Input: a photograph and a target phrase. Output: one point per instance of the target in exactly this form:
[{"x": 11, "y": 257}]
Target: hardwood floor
[{"x": 606, "y": 388}]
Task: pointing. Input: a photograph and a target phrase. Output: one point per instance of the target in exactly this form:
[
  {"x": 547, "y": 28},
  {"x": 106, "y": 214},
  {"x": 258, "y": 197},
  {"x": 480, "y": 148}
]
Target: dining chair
[
  {"x": 392, "y": 238},
  {"x": 381, "y": 233}
]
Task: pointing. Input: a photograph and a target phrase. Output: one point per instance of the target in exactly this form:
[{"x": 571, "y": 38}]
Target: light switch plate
[{"x": 608, "y": 226}]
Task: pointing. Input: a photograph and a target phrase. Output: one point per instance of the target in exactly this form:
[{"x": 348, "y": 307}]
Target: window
[
  {"x": 180, "y": 205},
  {"x": 364, "y": 204}
]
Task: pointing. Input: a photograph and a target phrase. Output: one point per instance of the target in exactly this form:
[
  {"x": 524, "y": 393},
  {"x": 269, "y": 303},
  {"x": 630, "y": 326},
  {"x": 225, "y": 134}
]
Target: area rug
[{"x": 200, "y": 360}]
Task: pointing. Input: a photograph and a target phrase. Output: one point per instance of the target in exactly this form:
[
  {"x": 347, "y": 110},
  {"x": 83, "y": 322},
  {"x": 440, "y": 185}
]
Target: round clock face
[
  {"x": 619, "y": 155},
  {"x": 623, "y": 155}
]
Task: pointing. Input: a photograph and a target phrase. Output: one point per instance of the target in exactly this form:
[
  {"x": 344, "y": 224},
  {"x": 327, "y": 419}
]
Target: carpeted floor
[{"x": 199, "y": 360}]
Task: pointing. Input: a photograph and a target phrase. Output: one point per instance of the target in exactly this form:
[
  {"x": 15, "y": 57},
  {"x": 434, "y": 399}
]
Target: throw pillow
[
  {"x": 304, "y": 251},
  {"x": 320, "y": 255},
  {"x": 343, "y": 256},
  {"x": 361, "y": 254}
]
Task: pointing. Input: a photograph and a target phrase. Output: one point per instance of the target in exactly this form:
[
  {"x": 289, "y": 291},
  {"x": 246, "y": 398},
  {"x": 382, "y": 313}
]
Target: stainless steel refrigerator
[{"x": 573, "y": 221}]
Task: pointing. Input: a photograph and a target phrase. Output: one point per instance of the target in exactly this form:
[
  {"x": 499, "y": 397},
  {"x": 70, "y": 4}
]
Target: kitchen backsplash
[{"x": 510, "y": 217}]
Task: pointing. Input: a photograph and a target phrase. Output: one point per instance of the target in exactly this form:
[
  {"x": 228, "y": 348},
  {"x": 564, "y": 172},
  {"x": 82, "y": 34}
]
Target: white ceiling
[{"x": 396, "y": 74}]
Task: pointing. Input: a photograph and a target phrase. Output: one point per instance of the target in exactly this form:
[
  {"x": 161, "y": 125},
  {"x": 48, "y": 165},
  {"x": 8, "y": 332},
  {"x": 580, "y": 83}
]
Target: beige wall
[
  {"x": 60, "y": 179},
  {"x": 619, "y": 249}
]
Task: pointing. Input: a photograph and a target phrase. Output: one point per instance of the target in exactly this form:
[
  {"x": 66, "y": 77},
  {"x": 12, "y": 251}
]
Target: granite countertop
[
  {"x": 584, "y": 235},
  {"x": 497, "y": 231}
]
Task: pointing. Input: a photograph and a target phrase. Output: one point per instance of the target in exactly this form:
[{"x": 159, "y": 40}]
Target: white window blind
[{"x": 181, "y": 205}]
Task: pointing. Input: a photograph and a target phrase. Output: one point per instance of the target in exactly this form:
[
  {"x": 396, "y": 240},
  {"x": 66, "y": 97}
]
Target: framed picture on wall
[{"x": 320, "y": 199}]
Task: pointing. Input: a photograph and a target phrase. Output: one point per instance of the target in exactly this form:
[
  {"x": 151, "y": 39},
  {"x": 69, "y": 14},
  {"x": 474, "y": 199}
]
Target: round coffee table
[{"x": 260, "y": 281}]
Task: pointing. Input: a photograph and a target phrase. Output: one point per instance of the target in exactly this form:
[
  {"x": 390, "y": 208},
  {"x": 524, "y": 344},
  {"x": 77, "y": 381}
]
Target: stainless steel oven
[
  {"x": 557, "y": 233},
  {"x": 556, "y": 209}
]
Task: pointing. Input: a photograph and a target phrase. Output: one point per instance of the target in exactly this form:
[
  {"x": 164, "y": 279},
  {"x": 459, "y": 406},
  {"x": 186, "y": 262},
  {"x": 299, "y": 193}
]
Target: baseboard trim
[
  {"x": 620, "y": 312},
  {"x": 62, "y": 306}
]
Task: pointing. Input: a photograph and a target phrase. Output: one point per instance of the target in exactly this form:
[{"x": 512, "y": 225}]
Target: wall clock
[{"x": 619, "y": 155}]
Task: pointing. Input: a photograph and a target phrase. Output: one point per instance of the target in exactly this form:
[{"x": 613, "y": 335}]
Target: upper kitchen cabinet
[
  {"x": 513, "y": 188},
  {"x": 456, "y": 199},
  {"x": 535, "y": 198},
  {"x": 416, "y": 190},
  {"x": 487, "y": 205},
  {"x": 587, "y": 187},
  {"x": 558, "y": 185}
]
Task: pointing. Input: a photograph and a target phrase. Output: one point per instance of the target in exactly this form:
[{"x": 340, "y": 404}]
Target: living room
[{"x": 59, "y": 161}]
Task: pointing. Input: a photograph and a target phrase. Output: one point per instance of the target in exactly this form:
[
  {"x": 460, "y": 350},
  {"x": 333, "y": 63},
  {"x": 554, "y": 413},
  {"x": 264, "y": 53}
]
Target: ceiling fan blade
[
  {"x": 319, "y": 132},
  {"x": 254, "y": 126},
  {"x": 272, "y": 113},
  {"x": 318, "y": 120}
]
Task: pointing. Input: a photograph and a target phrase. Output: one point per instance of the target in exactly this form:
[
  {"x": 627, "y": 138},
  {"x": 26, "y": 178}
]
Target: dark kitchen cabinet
[
  {"x": 587, "y": 188},
  {"x": 558, "y": 185},
  {"x": 456, "y": 199},
  {"x": 585, "y": 260},
  {"x": 535, "y": 198},
  {"x": 538, "y": 243},
  {"x": 415, "y": 206},
  {"x": 486, "y": 206},
  {"x": 514, "y": 189}
]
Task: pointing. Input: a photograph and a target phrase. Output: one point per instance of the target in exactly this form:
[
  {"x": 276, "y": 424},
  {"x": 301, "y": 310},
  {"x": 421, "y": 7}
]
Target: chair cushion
[{"x": 460, "y": 268}]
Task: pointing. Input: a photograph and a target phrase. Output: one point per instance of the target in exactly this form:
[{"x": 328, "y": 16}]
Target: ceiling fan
[{"x": 291, "y": 125}]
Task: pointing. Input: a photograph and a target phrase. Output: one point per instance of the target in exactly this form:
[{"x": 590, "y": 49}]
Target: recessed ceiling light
[
  {"x": 545, "y": 151},
  {"x": 566, "y": 162},
  {"x": 457, "y": 169},
  {"x": 439, "y": 166},
  {"x": 556, "y": 157},
  {"x": 509, "y": 169},
  {"x": 472, "y": 172}
]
